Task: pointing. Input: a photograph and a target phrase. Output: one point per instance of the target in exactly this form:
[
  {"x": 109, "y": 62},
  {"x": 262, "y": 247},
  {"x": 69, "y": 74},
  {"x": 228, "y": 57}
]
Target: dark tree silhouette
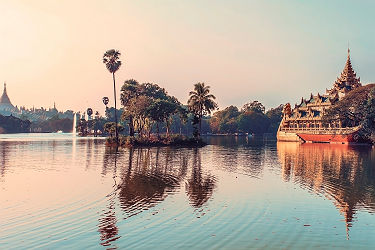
[
  {"x": 111, "y": 59},
  {"x": 201, "y": 102}
]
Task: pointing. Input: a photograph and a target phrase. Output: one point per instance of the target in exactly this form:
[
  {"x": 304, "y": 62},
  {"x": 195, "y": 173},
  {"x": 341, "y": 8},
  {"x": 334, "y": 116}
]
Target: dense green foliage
[
  {"x": 148, "y": 106},
  {"x": 225, "y": 121},
  {"x": 152, "y": 141},
  {"x": 11, "y": 124},
  {"x": 253, "y": 122},
  {"x": 275, "y": 116},
  {"x": 251, "y": 119},
  {"x": 357, "y": 108},
  {"x": 368, "y": 123},
  {"x": 351, "y": 110},
  {"x": 53, "y": 124},
  {"x": 110, "y": 129},
  {"x": 254, "y": 106}
]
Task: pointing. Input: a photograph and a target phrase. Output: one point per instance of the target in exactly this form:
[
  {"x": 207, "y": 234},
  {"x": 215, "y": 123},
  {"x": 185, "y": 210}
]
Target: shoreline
[{"x": 171, "y": 141}]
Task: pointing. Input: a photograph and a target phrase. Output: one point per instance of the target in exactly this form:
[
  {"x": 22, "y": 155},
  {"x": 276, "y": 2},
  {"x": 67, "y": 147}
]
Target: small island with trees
[
  {"x": 147, "y": 106},
  {"x": 149, "y": 116}
]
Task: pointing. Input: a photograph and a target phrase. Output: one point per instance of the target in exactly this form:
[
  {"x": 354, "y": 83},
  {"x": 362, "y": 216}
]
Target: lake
[{"x": 57, "y": 191}]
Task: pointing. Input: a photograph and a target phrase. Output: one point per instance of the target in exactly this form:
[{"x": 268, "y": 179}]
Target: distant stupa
[{"x": 5, "y": 104}]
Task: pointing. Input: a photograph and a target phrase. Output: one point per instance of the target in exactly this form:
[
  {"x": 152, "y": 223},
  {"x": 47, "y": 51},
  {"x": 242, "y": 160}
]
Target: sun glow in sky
[{"x": 271, "y": 51}]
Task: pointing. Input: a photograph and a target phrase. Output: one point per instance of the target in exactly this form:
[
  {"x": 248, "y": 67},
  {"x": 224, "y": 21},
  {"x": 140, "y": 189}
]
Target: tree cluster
[
  {"x": 53, "y": 124},
  {"x": 95, "y": 124},
  {"x": 357, "y": 108},
  {"x": 11, "y": 124},
  {"x": 146, "y": 106},
  {"x": 252, "y": 118}
]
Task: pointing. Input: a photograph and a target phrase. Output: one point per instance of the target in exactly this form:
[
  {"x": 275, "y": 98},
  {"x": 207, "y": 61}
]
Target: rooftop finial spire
[{"x": 348, "y": 51}]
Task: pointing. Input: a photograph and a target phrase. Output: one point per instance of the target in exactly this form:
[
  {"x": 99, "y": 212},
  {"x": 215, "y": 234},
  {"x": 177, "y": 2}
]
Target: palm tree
[
  {"x": 105, "y": 102},
  {"x": 111, "y": 59},
  {"x": 201, "y": 102},
  {"x": 89, "y": 112}
]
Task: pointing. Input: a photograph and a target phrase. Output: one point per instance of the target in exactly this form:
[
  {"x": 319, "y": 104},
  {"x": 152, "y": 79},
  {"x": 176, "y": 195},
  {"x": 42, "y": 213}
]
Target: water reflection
[
  {"x": 144, "y": 177},
  {"x": 147, "y": 179},
  {"x": 4, "y": 157},
  {"x": 107, "y": 225},
  {"x": 199, "y": 188},
  {"x": 343, "y": 174},
  {"x": 239, "y": 141},
  {"x": 108, "y": 229},
  {"x": 248, "y": 157},
  {"x": 231, "y": 195}
]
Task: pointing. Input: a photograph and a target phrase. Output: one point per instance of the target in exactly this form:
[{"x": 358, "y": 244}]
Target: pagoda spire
[
  {"x": 4, "y": 99},
  {"x": 348, "y": 79},
  {"x": 348, "y": 69}
]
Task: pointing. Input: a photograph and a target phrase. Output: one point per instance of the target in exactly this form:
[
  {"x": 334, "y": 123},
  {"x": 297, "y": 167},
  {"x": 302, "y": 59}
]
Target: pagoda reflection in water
[{"x": 341, "y": 173}]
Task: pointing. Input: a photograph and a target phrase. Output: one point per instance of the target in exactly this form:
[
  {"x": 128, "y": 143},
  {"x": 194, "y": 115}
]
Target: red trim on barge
[{"x": 328, "y": 138}]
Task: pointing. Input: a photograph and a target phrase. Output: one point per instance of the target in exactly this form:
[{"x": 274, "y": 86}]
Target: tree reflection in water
[
  {"x": 342, "y": 173},
  {"x": 107, "y": 220},
  {"x": 4, "y": 157},
  {"x": 147, "y": 182},
  {"x": 199, "y": 188},
  {"x": 146, "y": 176}
]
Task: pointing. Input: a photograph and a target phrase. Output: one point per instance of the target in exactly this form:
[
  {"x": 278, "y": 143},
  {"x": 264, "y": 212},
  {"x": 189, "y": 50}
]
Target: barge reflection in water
[
  {"x": 344, "y": 174},
  {"x": 238, "y": 192}
]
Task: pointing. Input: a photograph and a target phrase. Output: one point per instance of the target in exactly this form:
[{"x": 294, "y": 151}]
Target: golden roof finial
[{"x": 348, "y": 51}]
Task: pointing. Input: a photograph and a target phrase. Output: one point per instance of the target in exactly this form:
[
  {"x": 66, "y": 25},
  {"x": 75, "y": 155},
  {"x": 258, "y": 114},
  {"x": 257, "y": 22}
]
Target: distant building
[
  {"x": 304, "y": 122},
  {"x": 6, "y": 107}
]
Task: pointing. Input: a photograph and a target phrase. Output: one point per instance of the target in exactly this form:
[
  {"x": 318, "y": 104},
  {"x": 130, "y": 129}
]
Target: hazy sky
[{"x": 271, "y": 51}]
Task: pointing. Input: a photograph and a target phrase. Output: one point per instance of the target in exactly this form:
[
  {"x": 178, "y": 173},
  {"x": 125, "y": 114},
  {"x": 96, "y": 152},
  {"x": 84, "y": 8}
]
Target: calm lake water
[{"x": 236, "y": 193}]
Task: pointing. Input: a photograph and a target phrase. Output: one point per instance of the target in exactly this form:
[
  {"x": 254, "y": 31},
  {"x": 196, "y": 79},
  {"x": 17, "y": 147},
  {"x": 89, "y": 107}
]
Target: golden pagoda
[{"x": 6, "y": 107}]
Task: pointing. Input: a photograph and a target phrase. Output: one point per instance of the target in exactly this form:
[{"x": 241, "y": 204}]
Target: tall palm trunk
[
  {"x": 131, "y": 126},
  {"x": 157, "y": 129},
  {"x": 200, "y": 120},
  {"x": 114, "y": 93},
  {"x": 167, "y": 127},
  {"x": 200, "y": 126}
]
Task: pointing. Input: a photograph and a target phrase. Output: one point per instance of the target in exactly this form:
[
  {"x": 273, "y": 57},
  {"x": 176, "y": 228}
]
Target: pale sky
[{"x": 271, "y": 51}]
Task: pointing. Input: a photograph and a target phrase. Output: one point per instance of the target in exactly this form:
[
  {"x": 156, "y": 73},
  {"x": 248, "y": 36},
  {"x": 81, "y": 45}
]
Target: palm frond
[{"x": 111, "y": 59}]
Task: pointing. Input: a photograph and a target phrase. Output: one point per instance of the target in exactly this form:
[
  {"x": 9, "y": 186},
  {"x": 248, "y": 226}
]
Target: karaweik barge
[{"x": 304, "y": 123}]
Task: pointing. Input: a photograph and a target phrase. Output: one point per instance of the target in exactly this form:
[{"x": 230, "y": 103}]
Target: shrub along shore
[{"x": 155, "y": 141}]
